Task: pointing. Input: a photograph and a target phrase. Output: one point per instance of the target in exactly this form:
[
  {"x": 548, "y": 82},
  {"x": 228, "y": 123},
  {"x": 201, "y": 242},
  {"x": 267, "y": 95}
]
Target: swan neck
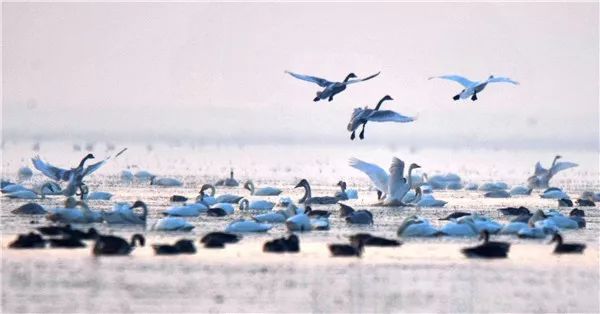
[
  {"x": 307, "y": 193},
  {"x": 379, "y": 103},
  {"x": 83, "y": 161}
]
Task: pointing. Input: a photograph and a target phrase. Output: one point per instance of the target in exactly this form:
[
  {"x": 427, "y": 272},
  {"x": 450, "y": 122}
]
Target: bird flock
[
  {"x": 394, "y": 189},
  {"x": 360, "y": 116}
]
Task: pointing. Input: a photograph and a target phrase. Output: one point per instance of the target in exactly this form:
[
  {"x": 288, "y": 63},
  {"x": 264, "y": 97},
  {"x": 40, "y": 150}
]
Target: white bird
[
  {"x": 104, "y": 196},
  {"x": 346, "y": 193},
  {"x": 191, "y": 210},
  {"x": 76, "y": 174},
  {"x": 394, "y": 185},
  {"x": 541, "y": 176},
  {"x": 143, "y": 175},
  {"x": 224, "y": 198},
  {"x": 520, "y": 190},
  {"x": 554, "y": 193},
  {"x": 73, "y": 214},
  {"x": 247, "y": 226},
  {"x": 330, "y": 88},
  {"x": 122, "y": 213},
  {"x": 462, "y": 227},
  {"x": 426, "y": 200},
  {"x": 168, "y": 182},
  {"x": 471, "y": 89},
  {"x": 172, "y": 224},
  {"x": 256, "y": 205},
  {"x": 513, "y": 227},
  {"x": 278, "y": 216},
  {"x": 363, "y": 115},
  {"x": 264, "y": 191},
  {"x": 299, "y": 222},
  {"x": 126, "y": 176},
  {"x": 414, "y": 226}
]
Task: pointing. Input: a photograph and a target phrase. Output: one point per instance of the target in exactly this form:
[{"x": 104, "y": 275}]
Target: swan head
[
  {"x": 249, "y": 186},
  {"x": 207, "y": 187},
  {"x": 89, "y": 156},
  {"x": 341, "y": 184},
  {"x": 558, "y": 157},
  {"x": 138, "y": 204},
  {"x": 387, "y": 97},
  {"x": 491, "y": 77},
  {"x": 302, "y": 183},
  {"x": 413, "y": 166}
]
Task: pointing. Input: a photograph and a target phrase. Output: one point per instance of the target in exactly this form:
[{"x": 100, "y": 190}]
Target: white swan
[
  {"x": 346, "y": 193},
  {"x": 426, "y": 200},
  {"x": 299, "y": 222},
  {"x": 104, "y": 196},
  {"x": 513, "y": 227},
  {"x": 79, "y": 172},
  {"x": 172, "y": 224},
  {"x": 278, "y": 216},
  {"x": 264, "y": 191},
  {"x": 395, "y": 185},
  {"x": 256, "y": 205},
  {"x": 126, "y": 177},
  {"x": 554, "y": 193},
  {"x": 24, "y": 173},
  {"x": 541, "y": 176},
  {"x": 414, "y": 226},
  {"x": 247, "y": 226},
  {"x": 71, "y": 214},
  {"x": 471, "y": 89},
  {"x": 360, "y": 116},
  {"x": 330, "y": 88},
  {"x": 462, "y": 227},
  {"x": 224, "y": 198},
  {"x": 122, "y": 213},
  {"x": 493, "y": 186},
  {"x": 191, "y": 210},
  {"x": 167, "y": 182},
  {"x": 143, "y": 175},
  {"x": 520, "y": 190}
]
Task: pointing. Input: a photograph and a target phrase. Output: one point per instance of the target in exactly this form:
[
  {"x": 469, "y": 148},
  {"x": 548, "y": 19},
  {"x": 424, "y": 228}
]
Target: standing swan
[
  {"x": 330, "y": 88},
  {"x": 363, "y": 115},
  {"x": 541, "y": 176},
  {"x": 395, "y": 185},
  {"x": 472, "y": 88}
]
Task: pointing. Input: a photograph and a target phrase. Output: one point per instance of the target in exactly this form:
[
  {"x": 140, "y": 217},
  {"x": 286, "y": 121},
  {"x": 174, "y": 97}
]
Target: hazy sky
[{"x": 213, "y": 72}]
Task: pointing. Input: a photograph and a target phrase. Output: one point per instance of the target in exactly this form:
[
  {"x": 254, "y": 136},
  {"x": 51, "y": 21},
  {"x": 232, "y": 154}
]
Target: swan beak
[{"x": 298, "y": 185}]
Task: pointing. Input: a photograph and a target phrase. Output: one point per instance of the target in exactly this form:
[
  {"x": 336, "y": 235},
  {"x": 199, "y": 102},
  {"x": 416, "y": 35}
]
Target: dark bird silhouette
[
  {"x": 113, "y": 245},
  {"x": 370, "y": 240},
  {"x": 182, "y": 246},
  {"x": 488, "y": 249},
  {"x": 28, "y": 241},
  {"x": 566, "y": 248},
  {"x": 281, "y": 245}
]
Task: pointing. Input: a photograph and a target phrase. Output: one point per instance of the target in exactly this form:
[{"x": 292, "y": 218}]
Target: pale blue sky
[{"x": 215, "y": 72}]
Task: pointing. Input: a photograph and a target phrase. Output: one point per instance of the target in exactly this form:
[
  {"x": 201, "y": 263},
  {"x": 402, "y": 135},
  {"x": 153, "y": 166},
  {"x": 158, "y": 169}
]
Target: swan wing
[
  {"x": 362, "y": 79},
  {"x": 563, "y": 165},
  {"x": 502, "y": 80},
  {"x": 377, "y": 175},
  {"x": 539, "y": 169},
  {"x": 49, "y": 170},
  {"x": 359, "y": 115},
  {"x": 457, "y": 78},
  {"x": 397, "y": 186},
  {"x": 91, "y": 168},
  {"x": 317, "y": 80},
  {"x": 389, "y": 116}
]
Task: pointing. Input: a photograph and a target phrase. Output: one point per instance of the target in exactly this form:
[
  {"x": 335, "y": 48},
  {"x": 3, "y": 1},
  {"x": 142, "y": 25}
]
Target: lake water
[{"x": 422, "y": 275}]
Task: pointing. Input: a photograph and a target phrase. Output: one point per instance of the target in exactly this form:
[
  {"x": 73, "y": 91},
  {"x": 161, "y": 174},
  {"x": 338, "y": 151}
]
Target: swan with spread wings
[
  {"x": 360, "y": 116},
  {"x": 330, "y": 88}
]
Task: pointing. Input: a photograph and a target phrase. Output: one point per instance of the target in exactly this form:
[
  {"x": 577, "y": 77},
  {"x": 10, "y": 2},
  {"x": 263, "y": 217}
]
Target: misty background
[{"x": 214, "y": 72}]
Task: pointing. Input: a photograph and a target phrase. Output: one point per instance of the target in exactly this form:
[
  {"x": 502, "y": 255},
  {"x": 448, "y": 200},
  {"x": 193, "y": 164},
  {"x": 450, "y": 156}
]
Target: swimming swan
[
  {"x": 122, "y": 213},
  {"x": 363, "y": 115},
  {"x": 330, "y": 88},
  {"x": 473, "y": 88},
  {"x": 264, "y": 191},
  {"x": 307, "y": 198}
]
